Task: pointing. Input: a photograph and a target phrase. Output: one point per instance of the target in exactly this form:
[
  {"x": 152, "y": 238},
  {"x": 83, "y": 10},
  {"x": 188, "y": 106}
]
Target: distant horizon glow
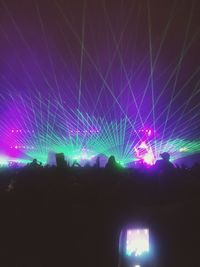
[{"x": 114, "y": 138}]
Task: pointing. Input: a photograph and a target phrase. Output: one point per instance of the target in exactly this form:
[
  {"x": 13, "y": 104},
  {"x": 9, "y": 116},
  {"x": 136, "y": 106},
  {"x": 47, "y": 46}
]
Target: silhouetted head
[
  {"x": 112, "y": 159},
  {"x": 165, "y": 156},
  {"x": 111, "y": 162}
]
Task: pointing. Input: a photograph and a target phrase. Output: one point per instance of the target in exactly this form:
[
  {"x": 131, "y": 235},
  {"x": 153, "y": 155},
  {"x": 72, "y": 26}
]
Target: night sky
[{"x": 111, "y": 59}]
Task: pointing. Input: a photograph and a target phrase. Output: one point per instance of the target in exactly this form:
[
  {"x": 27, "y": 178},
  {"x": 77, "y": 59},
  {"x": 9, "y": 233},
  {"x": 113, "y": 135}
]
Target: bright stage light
[
  {"x": 137, "y": 242},
  {"x": 145, "y": 153},
  {"x": 137, "y": 265},
  {"x": 183, "y": 149},
  {"x": 3, "y": 161}
]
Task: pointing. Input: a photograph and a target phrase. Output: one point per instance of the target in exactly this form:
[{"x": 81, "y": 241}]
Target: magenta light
[
  {"x": 145, "y": 153},
  {"x": 149, "y": 133}
]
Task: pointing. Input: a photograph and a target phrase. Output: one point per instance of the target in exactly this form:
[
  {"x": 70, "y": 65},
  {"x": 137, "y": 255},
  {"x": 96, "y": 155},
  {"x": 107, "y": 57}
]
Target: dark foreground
[{"x": 73, "y": 217}]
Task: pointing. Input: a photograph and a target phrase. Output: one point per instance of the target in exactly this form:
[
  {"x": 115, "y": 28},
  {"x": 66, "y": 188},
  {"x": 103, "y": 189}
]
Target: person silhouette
[
  {"x": 97, "y": 163},
  {"x": 34, "y": 164},
  {"x": 75, "y": 164},
  {"x": 164, "y": 164},
  {"x": 111, "y": 164}
]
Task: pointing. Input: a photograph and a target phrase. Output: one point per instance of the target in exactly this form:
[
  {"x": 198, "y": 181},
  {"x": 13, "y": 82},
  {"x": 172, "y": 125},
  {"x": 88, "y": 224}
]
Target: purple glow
[
  {"x": 60, "y": 77},
  {"x": 146, "y": 133},
  {"x": 149, "y": 132}
]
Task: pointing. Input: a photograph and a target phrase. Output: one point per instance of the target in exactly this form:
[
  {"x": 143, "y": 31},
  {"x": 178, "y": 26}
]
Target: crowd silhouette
[{"x": 71, "y": 215}]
